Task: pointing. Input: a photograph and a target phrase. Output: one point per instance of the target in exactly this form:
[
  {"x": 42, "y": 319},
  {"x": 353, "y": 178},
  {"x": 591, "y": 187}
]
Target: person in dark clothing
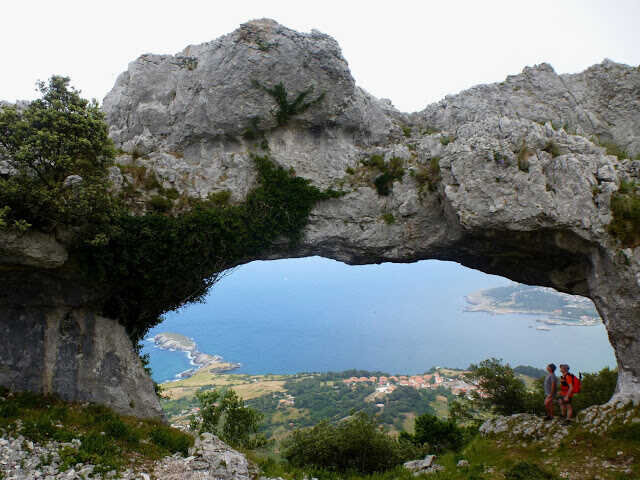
[{"x": 550, "y": 386}]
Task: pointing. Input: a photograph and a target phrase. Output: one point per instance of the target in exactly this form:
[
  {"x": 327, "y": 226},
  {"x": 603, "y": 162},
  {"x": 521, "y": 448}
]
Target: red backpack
[{"x": 577, "y": 383}]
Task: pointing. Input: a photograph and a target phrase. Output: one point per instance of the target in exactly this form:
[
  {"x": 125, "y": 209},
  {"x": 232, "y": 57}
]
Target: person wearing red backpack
[{"x": 568, "y": 389}]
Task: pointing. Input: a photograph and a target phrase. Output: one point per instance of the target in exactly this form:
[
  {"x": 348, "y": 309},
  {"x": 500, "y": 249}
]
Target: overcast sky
[{"x": 413, "y": 52}]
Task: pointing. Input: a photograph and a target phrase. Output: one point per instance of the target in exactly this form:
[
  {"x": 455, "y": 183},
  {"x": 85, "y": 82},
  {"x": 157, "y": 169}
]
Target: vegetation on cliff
[
  {"x": 625, "y": 206},
  {"x": 88, "y": 433},
  {"x": 45, "y": 143},
  {"x": 146, "y": 264}
]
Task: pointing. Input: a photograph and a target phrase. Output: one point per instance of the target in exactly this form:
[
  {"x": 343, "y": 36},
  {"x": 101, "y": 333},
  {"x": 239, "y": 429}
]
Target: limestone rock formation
[
  {"x": 511, "y": 179},
  {"x": 599, "y": 419}
]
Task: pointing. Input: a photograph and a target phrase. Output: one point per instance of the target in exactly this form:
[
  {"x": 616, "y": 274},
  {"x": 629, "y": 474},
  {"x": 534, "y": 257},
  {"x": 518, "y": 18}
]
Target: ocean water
[{"x": 315, "y": 314}]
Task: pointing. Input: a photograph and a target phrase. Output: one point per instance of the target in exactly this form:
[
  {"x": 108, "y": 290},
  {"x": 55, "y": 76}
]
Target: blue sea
[{"x": 315, "y": 315}]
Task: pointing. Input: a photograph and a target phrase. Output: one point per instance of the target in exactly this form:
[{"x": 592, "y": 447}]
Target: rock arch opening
[{"x": 314, "y": 314}]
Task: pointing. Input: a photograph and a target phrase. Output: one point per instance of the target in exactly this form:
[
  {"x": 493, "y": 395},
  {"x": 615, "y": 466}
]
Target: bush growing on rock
[
  {"x": 597, "y": 388},
  {"x": 224, "y": 414},
  {"x": 355, "y": 444},
  {"x": 143, "y": 265},
  {"x": 53, "y": 138},
  {"x": 504, "y": 393},
  {"x": 439, "y": 434}
]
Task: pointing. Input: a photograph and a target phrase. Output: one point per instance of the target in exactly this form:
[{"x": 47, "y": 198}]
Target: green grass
[
  {"x": 625, "y": 207},
  {"x": 390, "y": 172},
  {"x": 615, "y": 150},
  {"x": 107, "y": 440},
  {"x": 552, "y": 148},
  {"x": 446, "y": 139},
  {"x": 388, "y": 218},
  {"x": 428, "y": 175}
]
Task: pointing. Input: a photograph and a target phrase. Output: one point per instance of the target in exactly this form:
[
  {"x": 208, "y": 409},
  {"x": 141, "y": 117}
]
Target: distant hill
[{"x": 558, "y": 308}]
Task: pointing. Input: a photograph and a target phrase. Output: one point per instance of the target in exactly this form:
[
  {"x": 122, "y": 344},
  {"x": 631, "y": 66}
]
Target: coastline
[
  {"x": 482, "y": 301},
  {"x": 199, "y": 360}
]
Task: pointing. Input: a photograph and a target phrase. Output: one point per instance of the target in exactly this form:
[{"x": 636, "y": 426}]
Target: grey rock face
[
  {"x": 54, "y": 344},
  {"x": 210, "y": 458},
  {"x": 505, "y": 178},
  {"x": 597, "y": 419},
  {"x": 523, "y": 188}
]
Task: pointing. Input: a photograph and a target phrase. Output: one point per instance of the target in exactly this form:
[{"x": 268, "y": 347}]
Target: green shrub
[
  {"x": 388, "y": 218},
  {"x": 597, "y": 389},
  {"x": 629, "y": 432},
  {"x": 625, "y": 207},
  {"x": 225, "y": 415},
  {"x": 406, "y": 131},
  {"x": 376, "y": 161},
  {"x": 145, "y": 254},
  {"x": 146, "y": 264},
  {"x": 160, "y": 204},
  {"x": 430, "y": 175},
  {"x": 39, "y": 430},
  {"x": 504, "y": 393},
  {"x": 151, "y": 182},
  {"x": 171, "y": 193},
  {"x": 287, "y": 109},
  {"x": 552, "y": 148},
  {"x": 355, "y": 444},
  {"x": 8, "y": 410},
  {"x": 70, "y": 133},
  {"x": 527, "y": 471},
  {"x": 446, "y": 139},
  {"x": 96, "y": 449},
  {"x": 390, "y": 172},
  {"x": 613, "y": 149},
  {"x": 350, "y": 171},
  {"x": 116, "y": 428},
  {"x": 171, "y": 439},
  {"x": 219, "y": 198},
  {"x": 439, "y": 434}
]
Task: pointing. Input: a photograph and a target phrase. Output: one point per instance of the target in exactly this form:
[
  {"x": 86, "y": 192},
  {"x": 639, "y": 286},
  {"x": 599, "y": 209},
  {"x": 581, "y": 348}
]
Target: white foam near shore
[{"x": 177, "y": 342}]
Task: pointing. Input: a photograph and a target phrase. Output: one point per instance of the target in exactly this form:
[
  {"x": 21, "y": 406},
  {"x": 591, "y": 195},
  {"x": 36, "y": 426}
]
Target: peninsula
[
  {"x": 555, "y": 308},
  {"x": 200, "y": 361}
]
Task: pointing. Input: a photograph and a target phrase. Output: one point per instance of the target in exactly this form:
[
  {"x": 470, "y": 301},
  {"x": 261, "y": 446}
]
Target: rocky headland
[
  {"x": 552, "y": 308},
  {"x": 176, "y": 341},
  {"x": 532, "y": 178}
]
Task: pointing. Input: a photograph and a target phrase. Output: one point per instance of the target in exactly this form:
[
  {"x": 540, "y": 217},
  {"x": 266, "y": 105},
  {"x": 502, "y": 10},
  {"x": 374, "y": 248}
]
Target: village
[{"x": 387, "y": 385}]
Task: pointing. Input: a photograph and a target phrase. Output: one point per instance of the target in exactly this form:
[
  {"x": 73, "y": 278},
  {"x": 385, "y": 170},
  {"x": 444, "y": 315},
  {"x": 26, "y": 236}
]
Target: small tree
[
  {"x": 355, "y": 444},
  {"x": 44, "y": 143},
  {"x": 499, "y": 388},
  {"x": 225, "y": 415},
  {"x": 597, "y": 388},
  {"x": 439, "y": 434}
]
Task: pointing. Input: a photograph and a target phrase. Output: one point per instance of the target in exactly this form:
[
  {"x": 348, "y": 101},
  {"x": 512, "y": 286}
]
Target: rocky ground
[
  {"x": 554, "y": 445},
  {"x": 22, "y": 459}
]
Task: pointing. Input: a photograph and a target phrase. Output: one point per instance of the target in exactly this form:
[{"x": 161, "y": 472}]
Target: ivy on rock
[
  {"x": 156, "y": 263},
  {"x": 142, "y": 266}
]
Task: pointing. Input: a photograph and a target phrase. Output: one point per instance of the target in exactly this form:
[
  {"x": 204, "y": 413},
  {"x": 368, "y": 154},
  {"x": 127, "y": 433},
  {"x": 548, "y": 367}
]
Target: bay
[{"x": 314, "y": 314}]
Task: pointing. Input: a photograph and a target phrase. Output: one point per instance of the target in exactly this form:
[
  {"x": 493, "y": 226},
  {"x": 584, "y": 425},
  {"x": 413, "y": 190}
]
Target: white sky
[{"x": 413, "y": 52}]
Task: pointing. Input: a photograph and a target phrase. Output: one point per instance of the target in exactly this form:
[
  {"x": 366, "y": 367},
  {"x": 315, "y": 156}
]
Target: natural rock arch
[{"x": 507, "y": 178}]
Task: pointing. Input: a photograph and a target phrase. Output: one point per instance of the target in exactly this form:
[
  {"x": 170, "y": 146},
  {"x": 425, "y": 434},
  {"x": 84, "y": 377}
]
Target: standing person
[
  {"x": 566, "y": 392},
  {"x": 550, "y": 386}
]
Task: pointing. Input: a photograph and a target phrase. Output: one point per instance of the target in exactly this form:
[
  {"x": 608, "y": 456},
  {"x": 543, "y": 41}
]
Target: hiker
[
  {"x": 566, "y": 392},
  {"x": 550, "y": 386}
]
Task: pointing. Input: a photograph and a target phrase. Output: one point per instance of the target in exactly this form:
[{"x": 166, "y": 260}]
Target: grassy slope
[{"x": 126, "y": 441}]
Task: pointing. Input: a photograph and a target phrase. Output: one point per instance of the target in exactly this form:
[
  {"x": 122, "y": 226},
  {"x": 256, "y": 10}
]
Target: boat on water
[{"x": 543, "y": 328}]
